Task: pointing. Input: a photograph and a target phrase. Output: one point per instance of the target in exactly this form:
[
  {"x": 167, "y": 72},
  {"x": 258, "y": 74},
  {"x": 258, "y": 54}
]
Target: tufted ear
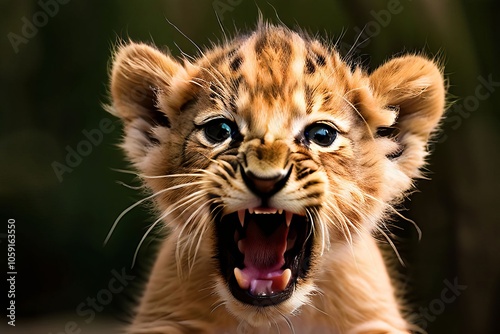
[
  {"x": 140, "y": 75},
  {"x": 412, "y": 88}
]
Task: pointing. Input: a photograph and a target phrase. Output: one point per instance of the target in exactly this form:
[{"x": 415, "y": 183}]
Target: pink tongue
[
  {"x": 264, "y": 252},
  {"x": 263, "y": 258}
]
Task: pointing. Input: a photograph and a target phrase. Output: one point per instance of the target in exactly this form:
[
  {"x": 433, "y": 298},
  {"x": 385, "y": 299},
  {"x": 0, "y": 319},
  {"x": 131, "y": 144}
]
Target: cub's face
[{"x": 269, "y": 151}]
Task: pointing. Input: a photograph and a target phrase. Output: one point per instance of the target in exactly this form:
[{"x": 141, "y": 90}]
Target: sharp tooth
[
  {"x": 285, "y": 278},
  {"x": 251, "y": 211},
  {"x": 280, "y": 211},
  {"x": 288, "y": 218},
  {"x": 243, "y": 282},
  {"x": 241, "y": 216}
]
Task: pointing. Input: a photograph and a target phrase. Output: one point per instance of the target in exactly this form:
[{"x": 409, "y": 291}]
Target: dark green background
[{"x": 53, "y": 88}]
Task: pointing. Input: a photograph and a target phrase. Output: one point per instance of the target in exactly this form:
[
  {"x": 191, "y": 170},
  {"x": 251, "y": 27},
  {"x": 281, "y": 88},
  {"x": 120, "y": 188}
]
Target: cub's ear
[
  {"x": 142, "y": 75},
  {"x": 138, "y": 73},
  {"x": 413, "y": 88}
]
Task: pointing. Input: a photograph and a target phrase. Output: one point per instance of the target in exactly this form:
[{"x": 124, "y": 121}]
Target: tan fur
[{"x": 272, "y": 84}]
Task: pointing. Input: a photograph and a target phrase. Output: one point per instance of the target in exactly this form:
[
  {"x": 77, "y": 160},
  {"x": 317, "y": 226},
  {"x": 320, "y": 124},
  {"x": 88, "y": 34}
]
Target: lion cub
[{"x": 266, "y": 162}]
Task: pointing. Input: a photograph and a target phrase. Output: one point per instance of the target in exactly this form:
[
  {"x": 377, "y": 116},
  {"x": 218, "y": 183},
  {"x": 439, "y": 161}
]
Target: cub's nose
[
  {"x": 265, "y": 186},
  {"x": 264, "y": 166}
]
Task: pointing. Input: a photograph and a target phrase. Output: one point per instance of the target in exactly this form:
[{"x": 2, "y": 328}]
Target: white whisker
[
  {"x": 359, "y": 113},
  {"x": 389, "y": 240},
  {"x": 129, "y": 186},
  {"x": 318, "y": 309},
  {"x": 181, "y": 246},
  {"x": 144, "y": 238},
  {"x": 163, "y": 216},
  {"x": 198, "y": 234},
  {"x": 355, "y": 44},
  {"x": 151, "y": 227},
  {"x": 288, "y": 322},
  {"x": 145, "y": 176},
  {"x": 219, "y": 304},
  {"x": 196, "y": 83},
  {"x": 399, "y": 214},
  {"x": 125, "y": 171},
  {"x": 168, "y": 176},
  {"x": 124, "y": 212},
  {"x": 185, "y": 36}
]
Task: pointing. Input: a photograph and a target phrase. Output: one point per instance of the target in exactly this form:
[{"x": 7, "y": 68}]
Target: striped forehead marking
[{"x": 273, "y": 68}]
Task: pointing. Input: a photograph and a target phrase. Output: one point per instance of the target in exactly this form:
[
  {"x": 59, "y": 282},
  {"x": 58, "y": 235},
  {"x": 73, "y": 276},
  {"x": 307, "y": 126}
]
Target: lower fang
[
  {"x": 285, "y": 279},
  {"x": 241, "y": 279}
]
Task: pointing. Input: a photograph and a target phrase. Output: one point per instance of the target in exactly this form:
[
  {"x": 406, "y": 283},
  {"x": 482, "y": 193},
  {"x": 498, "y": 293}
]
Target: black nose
[{"x": 265, "y": 186}]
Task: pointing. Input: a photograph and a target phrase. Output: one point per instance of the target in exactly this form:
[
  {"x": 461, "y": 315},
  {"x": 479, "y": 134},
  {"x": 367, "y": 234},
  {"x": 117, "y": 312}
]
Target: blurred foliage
[{"x": 53, "y": 89}]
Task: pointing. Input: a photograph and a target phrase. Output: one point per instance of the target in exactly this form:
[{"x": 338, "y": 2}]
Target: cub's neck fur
[{"x": 268, "y": 166}]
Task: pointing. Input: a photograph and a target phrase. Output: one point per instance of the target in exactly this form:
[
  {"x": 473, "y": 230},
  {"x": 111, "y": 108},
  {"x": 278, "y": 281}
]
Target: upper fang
[
  {"x": 241, "y": 217},
  {"x": 288, "y": 218}
]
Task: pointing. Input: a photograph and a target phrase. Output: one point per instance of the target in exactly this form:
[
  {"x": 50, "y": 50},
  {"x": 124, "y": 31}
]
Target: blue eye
[
  {"x": 218, "y": 130},
  {"x": 321, "y": 134}
]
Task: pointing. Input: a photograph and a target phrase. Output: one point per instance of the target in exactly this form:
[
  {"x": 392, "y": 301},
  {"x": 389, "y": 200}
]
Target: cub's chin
[
  {"x": 259, "y": 316},
  {"x": 264, "y": 256}
]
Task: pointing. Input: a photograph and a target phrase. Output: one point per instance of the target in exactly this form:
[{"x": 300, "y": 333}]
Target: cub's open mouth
[{"x": 262, "y": 253}]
